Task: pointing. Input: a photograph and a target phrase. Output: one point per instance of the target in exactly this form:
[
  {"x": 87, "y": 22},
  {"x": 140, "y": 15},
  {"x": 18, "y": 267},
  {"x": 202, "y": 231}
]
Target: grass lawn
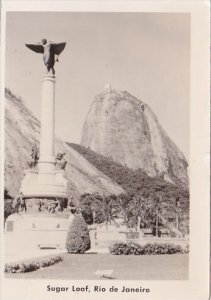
[{"x": 84, "y": 266}]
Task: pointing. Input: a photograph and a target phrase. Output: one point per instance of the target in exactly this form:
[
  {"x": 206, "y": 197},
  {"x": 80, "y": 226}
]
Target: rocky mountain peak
[{"x": 120, "y": 126}]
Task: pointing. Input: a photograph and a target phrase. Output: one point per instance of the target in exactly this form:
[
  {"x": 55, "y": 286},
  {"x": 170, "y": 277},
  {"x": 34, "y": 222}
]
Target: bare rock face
[
  {"x": 21, "y": 131},
  {"x": 120, "y": 126}
]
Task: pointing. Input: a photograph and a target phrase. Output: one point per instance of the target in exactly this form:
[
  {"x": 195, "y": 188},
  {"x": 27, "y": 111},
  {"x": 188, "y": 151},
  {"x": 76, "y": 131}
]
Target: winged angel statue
[{"x": 49, "y": 51}]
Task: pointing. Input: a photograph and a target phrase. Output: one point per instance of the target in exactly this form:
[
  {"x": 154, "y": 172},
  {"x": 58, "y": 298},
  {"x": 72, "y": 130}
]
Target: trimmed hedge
[
  {"x": 120, "y": 248},
  {"x": 78, "y": 239},
  {"x": 32, "y": 265}
]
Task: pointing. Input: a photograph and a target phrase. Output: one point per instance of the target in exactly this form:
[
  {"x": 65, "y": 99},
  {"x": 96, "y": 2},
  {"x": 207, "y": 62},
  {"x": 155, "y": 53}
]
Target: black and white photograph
[{"x": 99, "y": 164}]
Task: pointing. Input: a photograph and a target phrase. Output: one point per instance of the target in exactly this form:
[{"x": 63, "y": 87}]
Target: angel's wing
[
  {"x": 58, "y": 48},
  {"x": 35, "y": 47}
]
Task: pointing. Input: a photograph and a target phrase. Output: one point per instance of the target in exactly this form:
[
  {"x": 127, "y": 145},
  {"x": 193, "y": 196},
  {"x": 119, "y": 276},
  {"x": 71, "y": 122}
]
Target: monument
[{"x": 46, "y": 180}]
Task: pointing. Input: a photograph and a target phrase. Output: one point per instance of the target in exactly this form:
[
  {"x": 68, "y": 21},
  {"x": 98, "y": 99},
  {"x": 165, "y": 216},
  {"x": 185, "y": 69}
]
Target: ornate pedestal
[{"x": 44, "y": 185}]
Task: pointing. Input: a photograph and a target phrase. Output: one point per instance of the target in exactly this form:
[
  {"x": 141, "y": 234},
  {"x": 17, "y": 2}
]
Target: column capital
[{"x": 49, "y": 77}]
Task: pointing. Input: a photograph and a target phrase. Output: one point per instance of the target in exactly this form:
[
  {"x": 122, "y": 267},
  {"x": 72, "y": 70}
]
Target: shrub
[
  {"x": 78, "y": 240},
  {"x": 120, "y": 248},
  {"x": 87, "y": 214},
  {"x": 8, "y": 210},
  {"x": 88, "y": 202},
  {"x": 32, "y": 265}
]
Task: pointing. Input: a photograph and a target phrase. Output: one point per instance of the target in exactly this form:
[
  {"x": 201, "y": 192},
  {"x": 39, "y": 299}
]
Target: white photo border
[{"x": 197, "y": 287}]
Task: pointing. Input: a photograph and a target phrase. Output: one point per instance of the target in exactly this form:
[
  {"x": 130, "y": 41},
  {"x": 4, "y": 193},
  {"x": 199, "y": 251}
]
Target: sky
[{"x": 146, "y": 54}]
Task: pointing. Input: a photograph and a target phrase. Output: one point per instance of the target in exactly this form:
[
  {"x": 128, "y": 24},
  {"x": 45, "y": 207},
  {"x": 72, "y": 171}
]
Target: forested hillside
[{"x": 137, "y": 184}]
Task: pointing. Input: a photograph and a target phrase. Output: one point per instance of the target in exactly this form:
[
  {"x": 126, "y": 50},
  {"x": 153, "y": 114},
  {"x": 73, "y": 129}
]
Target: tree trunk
[
  {"x": 156, "y": 225},
  {"x": 177, "y": 221}
]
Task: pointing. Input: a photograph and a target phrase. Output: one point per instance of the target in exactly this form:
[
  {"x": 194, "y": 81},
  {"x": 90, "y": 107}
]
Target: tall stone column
[
  {"x": 46, "y": 180},
  {"x": 47, "y": 156}
]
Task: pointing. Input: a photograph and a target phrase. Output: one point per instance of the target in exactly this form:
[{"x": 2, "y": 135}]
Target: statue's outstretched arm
[{"x": 36, "y": 47}]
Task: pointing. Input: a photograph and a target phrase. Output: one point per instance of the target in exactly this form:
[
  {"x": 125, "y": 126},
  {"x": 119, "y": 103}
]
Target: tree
[
  {"x": 92, "y": 208},
  {"x": 78, "y": 239},
  {"x": 110, "y": 208},
  {"x": 8, "y": 210},
  {"x": 136, "y": 210},
  {"x": 124, "y": 205}
]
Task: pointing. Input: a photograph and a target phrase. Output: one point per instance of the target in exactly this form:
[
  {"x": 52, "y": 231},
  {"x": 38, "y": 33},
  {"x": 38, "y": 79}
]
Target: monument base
[
  {"x": 44, "y": 185},
  {"x": 31, "y": 232}
]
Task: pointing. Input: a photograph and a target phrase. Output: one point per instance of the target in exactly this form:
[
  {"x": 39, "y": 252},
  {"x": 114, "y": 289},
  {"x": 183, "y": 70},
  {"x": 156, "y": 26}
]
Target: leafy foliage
[
  {"x": 32, "y": 265},
  {"x": 78, "y": 240},
  {"x": 8, "y": 208},
  {"x": 120, "y": 248},
  {"x": 145, "y": 197},
  {"x": 99, "y": 209}
]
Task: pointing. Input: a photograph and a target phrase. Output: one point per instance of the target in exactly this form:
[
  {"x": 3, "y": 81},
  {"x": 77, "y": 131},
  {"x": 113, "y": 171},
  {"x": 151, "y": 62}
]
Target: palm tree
[
  {"x": 124, "y": 203},
  {"x": 110, "y": 208},
  {"x": 152, "y": 209},
  {"x": 137, "y": 209}
]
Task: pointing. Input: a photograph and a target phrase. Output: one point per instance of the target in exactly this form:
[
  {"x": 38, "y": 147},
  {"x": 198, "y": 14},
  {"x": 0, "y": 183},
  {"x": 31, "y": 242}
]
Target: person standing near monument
[
  {"x": 60, "y": 158},
  {"x": 23, "y": 205},
  {"x": 18, "y": 202},
  {"x": 34, "y": 156}
]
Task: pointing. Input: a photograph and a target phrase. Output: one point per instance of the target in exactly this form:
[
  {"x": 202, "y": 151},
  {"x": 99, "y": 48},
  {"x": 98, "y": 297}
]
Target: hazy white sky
[{"x": 147, "y": 54}]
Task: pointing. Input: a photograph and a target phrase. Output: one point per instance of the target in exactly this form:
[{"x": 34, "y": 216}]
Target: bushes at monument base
[
  {"x": 8, "y": 210},
  {"x": 31, "y": 265},
  {"x": 78, "y": 239},
  {"x": 119, "y": 248}
]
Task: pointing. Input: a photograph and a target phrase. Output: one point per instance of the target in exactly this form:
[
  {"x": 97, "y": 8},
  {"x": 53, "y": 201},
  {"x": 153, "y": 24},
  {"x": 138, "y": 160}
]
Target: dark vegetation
[
  {"x": 78, "y": 240},
  {"x": 147, "y": 249},
  {"x": 32, "y": 265},
  {"x": 151, "y": 200},
  {"x": 131, "y": 180},
  {"x": 8, "y": 208}
]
